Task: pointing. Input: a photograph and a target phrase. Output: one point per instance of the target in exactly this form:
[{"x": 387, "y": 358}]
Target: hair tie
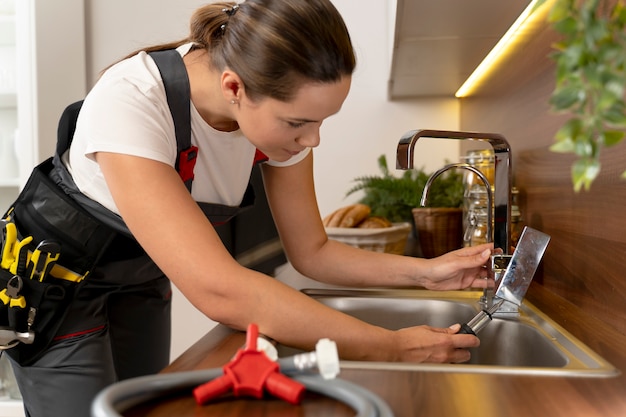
[{"x": 230, "y": 12}]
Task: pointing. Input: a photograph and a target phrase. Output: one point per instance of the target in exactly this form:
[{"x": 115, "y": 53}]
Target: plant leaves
[
  {"x": 564, "y": 98},
  {"x": 613, "y": 137},
  {"x": 563, "y": 146},
  {"x": 584, "y": 171},
  {"x": 590, "y": 81},
  {"x": 393, "y": 197},
  {"x": 616, "y": 115}
]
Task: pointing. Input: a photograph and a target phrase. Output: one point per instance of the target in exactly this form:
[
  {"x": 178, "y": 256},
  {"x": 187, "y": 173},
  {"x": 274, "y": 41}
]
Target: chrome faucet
[
  {"x": 480, "y": 175},
  {"x": 501, "y": 206},
  {"x": 487, "y": 299}
]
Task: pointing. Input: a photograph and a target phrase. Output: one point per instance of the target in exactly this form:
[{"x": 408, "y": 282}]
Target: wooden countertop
[{"x": 413, "y": 393}]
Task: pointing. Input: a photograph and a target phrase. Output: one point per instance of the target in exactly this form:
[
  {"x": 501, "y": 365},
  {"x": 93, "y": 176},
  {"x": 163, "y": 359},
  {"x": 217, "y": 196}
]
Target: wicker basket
[
  {"x": 439, "y": 230},
  {"x": 387, "y": 239}
]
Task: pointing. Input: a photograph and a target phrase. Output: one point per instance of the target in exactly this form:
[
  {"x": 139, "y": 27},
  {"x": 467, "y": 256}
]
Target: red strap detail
[
  {"x": 187, "y": 162},
  {"x": 76, "y": 334},
  {"x": 259, "y": 157}
]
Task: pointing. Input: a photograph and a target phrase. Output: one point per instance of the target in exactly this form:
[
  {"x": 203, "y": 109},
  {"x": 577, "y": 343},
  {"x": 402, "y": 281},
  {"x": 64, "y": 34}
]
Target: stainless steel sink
[{"x": 524, "y": 343}]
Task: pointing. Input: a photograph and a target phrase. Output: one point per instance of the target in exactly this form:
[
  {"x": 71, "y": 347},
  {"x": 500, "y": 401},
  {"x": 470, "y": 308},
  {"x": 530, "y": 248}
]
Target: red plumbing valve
[{"x": 249, "y": 373}]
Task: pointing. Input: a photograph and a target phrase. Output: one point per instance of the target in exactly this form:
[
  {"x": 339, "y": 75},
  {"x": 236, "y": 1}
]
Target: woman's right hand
[{"x": 434, "y": 344}]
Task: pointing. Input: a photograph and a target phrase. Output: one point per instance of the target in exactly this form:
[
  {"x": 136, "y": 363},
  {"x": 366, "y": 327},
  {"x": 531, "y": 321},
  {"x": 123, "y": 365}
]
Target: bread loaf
[
  {"x": 374, "y": 222},
  {"x": 354, "y": 216},
  {"x": 334, "y": 218},
  {"x": 348, "y": 216}
]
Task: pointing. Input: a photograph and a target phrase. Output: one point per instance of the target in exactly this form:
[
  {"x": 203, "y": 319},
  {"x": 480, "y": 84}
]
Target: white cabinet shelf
[
  {"x": 11, "y": 408},
  {"x": 9, "y": 182},
  {"x": 7, "y": 28},
  {"x": 8, "y": 100},
  {"x": 37, "y": 80},
  {"x": 8, "y": 67},
  {"x": 8, "y": 87},
  {"x": 8, "y": 122}
]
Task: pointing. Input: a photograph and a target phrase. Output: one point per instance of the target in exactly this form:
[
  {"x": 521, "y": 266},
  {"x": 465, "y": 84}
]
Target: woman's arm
[
  {"x": 173, "y": 230},
  {"x": 292, "y": 199}
]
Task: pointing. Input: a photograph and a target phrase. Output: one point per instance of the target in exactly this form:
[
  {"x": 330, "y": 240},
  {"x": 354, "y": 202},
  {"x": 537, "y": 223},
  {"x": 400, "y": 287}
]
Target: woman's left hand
[{"x": 462, "y": 268}]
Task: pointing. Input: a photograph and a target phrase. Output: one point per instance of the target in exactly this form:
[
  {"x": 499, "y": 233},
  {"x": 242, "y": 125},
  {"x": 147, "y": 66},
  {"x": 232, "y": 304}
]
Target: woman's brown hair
[{"x": 273, "y": 45}]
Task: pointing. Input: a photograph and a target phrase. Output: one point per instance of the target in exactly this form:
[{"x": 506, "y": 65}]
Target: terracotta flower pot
[{"x": 439, "y": 230}]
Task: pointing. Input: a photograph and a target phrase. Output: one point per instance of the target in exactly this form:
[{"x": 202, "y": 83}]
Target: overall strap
[
  {"x": 67, "y": 126},
  {"x": 176, "y": 82}
]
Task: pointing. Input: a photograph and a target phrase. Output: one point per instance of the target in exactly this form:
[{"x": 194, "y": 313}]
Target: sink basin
[{"x": 525, "y": 343}]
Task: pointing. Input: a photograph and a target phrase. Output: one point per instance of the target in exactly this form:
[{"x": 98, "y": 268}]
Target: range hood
[{"x": 439, "y": 43}]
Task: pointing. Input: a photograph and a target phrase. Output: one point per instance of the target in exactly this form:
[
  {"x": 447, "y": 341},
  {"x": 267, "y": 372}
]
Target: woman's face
[{"x": 283, "y": 129}]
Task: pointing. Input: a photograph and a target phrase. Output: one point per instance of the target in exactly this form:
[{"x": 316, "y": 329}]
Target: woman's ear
[{"x": 232, "y": 86}]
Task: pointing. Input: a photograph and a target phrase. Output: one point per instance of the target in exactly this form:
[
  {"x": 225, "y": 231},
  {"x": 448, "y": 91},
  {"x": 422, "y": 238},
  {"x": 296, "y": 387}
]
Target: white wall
[
  {"x": 352, "y": 140},
  {"x": 60, "y": 78},
  {"x": 368, "y": 124}
]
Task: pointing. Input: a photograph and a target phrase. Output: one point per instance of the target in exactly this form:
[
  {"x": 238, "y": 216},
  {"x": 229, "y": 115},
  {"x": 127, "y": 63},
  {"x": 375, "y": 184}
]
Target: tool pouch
[
  {"x": 45, "y": 212},
  {"x": 47, "y": 303}
]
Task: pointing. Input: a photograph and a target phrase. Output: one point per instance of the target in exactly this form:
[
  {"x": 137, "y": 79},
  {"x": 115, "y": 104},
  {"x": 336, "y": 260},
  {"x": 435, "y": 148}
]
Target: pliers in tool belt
[
  {"x": 12, "y": 298},
  {"x": 18, "y": 328},
  {"x": 14, "y": 251}
]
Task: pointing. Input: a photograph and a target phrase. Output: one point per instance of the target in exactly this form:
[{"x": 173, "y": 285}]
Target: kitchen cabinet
[
  {"x": 438, "y": 44},
  {"x": 9, "y": 171},
  {"x": 10, "y": 401},
  {"x": 42, "y": 69}
]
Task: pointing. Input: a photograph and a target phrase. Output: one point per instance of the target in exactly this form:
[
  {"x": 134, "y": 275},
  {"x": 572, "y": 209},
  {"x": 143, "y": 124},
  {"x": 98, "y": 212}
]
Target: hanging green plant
[{"x": 590, "y": 81}]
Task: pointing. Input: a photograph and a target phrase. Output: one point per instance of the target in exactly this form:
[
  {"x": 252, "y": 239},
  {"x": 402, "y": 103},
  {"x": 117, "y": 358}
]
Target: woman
[{"x": 263, "y": 75}]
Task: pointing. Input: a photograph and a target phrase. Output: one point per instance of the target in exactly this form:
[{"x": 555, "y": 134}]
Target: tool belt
[
  {"x": 53, "y": 235},
  {"x": 49, "y": 245}
]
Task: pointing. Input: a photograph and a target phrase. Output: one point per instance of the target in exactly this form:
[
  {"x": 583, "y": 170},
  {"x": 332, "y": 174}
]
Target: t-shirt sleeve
[{"x": 129, "y": 117}]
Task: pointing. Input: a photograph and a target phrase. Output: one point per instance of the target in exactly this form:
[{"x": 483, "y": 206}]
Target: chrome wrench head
[{"x": 522, "y": 266}]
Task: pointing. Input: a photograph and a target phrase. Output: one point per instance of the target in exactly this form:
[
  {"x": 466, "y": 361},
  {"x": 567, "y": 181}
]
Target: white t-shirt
[{"x": 126, "y": 112}]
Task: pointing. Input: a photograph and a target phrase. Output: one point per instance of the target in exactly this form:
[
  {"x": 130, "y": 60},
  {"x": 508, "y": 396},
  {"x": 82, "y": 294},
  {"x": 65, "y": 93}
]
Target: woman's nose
[{"x": 310, "y": 140}]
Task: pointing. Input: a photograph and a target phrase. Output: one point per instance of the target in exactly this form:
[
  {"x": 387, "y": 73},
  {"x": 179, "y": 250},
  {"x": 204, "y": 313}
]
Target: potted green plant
[
  {"x": 590, "y": 81},
  {"x": 397, "y": 198}
]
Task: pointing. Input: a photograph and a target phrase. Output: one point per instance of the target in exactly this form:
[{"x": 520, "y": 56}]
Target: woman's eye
[{"x": 296, "y": 125}]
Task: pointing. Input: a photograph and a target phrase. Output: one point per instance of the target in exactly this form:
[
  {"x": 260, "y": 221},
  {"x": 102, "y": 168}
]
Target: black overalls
[{"x": 118, "y": 325}]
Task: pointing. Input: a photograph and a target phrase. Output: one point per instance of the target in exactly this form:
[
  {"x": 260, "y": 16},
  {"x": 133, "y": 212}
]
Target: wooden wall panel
[{"x": 586, "y": 259}]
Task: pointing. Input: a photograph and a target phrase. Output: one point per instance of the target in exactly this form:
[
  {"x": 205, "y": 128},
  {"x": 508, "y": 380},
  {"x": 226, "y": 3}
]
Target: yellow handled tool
[
  {"x": 11, "y": 294},
  {"x": 20, "y": 256},
  {"x": 9, "y": 240},
  {"x": 17, "y": 313},
  {"x": 44, "y": 257}
]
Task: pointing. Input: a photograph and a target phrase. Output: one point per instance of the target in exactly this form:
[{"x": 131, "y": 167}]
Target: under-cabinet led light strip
[{"x": 506, "y": 43}]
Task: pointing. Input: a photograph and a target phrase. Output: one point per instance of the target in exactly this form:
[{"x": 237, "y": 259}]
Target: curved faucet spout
[
  {"x": 503, "y": 174},
  {"x": 480, "y": 175}
]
